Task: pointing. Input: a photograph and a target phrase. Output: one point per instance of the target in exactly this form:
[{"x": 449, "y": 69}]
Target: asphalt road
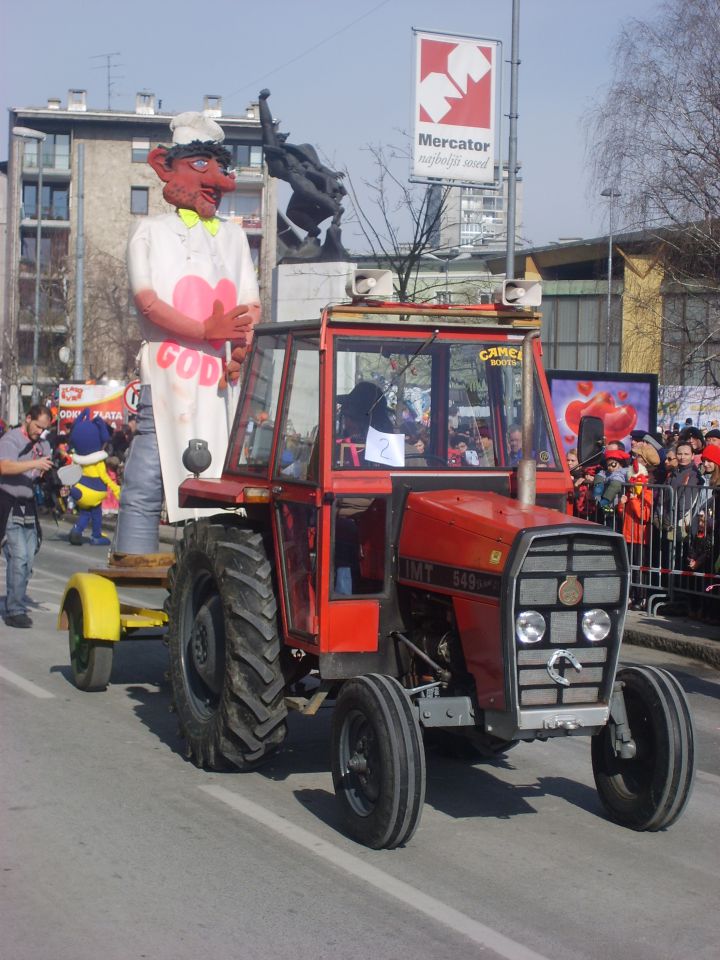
[{"x": 113, "y": 845}]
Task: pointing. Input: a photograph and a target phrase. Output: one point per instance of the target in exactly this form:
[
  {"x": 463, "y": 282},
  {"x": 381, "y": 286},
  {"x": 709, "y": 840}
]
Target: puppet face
[{"x": 195, "y": 183}]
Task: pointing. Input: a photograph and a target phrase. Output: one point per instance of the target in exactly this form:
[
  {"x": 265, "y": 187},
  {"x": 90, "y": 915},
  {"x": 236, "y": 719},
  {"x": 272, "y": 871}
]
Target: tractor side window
[
  {"x": 359, "y": 542},
  {"x": 297, "y": 453},
  {"x": 260, "y": 401}
]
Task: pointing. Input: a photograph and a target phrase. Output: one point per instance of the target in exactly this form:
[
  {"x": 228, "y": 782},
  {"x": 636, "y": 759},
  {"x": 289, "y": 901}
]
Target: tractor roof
[{"x": 490, "y": 317}]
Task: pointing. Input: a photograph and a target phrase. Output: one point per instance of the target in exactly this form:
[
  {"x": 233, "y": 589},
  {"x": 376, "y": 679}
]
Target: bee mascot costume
[{"x": 87, "y": 440}]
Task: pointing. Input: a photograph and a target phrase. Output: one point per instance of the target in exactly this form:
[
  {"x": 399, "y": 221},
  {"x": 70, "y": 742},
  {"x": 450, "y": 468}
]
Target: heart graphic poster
[{"x": 623, "y": 401}]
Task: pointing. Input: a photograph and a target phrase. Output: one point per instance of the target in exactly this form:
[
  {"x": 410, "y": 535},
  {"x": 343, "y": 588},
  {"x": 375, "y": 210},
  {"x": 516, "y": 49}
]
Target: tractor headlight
[
  {"x": 596, "y": 625},
  {"x": 530, "y": 626}
]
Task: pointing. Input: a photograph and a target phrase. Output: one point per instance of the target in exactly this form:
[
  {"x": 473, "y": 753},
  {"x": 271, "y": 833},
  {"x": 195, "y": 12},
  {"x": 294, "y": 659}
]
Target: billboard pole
[{"x": 512, "y": 142}]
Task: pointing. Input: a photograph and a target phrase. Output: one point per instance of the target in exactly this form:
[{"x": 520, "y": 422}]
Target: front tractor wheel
[
  {"x": 650, "y": 790},
  {"x": 224, "y": 648},
  {"x": 378, "y": 762}
]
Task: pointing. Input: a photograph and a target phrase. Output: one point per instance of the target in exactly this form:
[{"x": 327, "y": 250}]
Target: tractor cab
[{"x": 341, "y": 419}]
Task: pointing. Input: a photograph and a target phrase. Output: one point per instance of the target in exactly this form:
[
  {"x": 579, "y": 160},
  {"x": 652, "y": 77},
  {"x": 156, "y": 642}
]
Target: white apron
[{"x": 189, "y": 269}]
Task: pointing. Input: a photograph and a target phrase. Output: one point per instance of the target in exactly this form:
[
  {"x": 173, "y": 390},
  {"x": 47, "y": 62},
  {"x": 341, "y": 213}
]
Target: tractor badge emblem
[{"x": 570, "y": 592}]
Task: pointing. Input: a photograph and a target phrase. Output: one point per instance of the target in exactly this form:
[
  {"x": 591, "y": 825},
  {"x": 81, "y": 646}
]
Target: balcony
[
  {"x": 250, "y": 223},
  {"x": 252, "y": 174}
]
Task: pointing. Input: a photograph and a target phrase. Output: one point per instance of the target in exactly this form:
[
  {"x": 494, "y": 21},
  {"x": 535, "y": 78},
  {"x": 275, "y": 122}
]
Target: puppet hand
[
  {"x": 234, "y": 324},
  {"x": 231, "y": 374}
]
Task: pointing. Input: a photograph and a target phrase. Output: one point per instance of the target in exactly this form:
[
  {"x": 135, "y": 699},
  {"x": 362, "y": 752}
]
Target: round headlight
[
  {"x": 530, "y": 626},
  {"x": 596, "y": 625}
]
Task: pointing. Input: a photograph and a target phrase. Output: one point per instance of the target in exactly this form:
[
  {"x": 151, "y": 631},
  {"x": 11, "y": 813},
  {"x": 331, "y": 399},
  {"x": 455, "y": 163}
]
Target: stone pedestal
[{"x": 301, "y": 290}]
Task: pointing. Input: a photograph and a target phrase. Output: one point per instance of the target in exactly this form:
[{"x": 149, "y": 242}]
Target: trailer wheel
[
  {"x": 224, "y": 648},
  {"x": 649, "y": 791},
  {"x": 378, "y": 762},
  {"x": 90, "y": 660}
]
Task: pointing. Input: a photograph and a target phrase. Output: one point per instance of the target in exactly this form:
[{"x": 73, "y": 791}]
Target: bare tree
[
  {"x": 400, "y": 222},
  {"x": 654, "y": 140},
  {"x": 112, "y": 336}
]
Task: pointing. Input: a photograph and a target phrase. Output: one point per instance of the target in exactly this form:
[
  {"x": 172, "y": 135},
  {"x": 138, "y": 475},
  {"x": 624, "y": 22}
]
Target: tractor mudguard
[{"x": 100, "y": 606}]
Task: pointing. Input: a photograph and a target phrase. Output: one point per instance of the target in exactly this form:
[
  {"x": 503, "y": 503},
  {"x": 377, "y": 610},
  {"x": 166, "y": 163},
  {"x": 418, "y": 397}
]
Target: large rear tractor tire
[
  {"x": 225, "y": 668},
  {"x": 649, "y": 791},
  {"x": 90, "y": 660},
  {"x": 378, "y": 762}
]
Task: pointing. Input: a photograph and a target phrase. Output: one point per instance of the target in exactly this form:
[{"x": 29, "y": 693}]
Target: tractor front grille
[{"x": 597, "y": 566}]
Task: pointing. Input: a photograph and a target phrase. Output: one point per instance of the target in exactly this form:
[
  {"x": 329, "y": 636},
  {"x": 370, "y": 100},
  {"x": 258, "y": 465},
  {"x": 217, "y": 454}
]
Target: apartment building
[
  {"x": 91, "y": 167},
  {"x": 475, "y": 218}
]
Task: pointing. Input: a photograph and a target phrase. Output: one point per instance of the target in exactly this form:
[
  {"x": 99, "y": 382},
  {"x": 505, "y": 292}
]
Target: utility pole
[
  {"x": 28, "y": 133},
  {"x": 512, "y": 141}
]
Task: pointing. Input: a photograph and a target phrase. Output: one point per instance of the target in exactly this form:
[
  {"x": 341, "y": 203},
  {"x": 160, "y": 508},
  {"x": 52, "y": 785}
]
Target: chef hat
[{"x": 191, "y": 127}]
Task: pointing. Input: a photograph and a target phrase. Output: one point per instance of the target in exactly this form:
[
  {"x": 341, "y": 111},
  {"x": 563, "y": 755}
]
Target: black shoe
[
  {"x": 75, "y": 538},
  {"x": 18, "y": 620}
]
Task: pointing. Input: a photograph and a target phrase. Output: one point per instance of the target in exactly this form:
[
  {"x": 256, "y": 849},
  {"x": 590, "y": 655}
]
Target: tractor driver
[{"x": 364, "y": 407}]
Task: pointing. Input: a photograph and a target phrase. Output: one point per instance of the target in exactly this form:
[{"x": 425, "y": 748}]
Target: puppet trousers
[{"x": 138, "y": 521}]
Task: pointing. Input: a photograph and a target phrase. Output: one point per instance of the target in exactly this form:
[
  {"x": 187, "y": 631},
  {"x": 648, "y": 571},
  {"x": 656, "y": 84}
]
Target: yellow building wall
[{"x": 641, "y": 314}]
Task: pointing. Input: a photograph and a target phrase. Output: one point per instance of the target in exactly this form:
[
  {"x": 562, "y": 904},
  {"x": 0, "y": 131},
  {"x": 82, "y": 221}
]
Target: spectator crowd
[{"x": 663, "y": 495}]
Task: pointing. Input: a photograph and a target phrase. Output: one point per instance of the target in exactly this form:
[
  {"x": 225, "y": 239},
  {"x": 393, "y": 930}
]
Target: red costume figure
[{"x": 195, "y": 288}]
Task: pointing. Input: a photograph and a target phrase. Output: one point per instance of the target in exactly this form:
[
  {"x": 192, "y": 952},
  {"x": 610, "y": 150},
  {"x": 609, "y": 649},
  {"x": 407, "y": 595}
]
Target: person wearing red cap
[
  {"x": 609, "y": 484},
  {"x": 711, "y": 463}
]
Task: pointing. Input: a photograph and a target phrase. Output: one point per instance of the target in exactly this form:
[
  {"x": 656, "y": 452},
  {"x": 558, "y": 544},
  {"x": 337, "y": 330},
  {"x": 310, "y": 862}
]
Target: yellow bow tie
[{"x": 190, "y": 218}]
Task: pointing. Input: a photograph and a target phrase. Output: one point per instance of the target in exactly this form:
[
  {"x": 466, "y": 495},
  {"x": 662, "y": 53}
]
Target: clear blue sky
[{"x": 342, "y": 94}]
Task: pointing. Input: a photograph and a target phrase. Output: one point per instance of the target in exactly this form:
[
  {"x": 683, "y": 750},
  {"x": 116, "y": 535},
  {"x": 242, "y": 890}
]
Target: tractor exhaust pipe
[{"x": 527, "y": 468}]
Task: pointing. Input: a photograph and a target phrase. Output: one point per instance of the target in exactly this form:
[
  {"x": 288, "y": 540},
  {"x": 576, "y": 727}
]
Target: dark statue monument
[{"x": 317, "y": 190}]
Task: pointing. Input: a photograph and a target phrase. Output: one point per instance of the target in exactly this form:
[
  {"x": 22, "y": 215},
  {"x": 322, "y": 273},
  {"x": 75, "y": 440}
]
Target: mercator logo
[{"x": 455, "y": 83}]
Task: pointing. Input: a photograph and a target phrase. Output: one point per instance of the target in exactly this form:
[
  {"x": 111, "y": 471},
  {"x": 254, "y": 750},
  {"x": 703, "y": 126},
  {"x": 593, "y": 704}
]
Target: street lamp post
[
  {"x": 27, "y": 133},
  {"x": 610, "y": 193}
]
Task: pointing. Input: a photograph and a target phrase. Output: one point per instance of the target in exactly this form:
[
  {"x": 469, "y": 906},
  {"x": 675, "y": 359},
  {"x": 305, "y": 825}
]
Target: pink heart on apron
[{"x": 194, "y": 297}]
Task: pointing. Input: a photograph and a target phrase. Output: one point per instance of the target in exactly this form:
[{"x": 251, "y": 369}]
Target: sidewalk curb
[{"x": 707, "y": 651}]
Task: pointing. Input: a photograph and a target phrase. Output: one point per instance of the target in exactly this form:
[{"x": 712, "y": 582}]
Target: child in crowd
[{"x": 609, "y": 484}]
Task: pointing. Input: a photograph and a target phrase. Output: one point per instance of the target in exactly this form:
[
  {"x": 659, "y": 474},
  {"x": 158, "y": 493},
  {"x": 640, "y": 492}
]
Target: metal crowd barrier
[{"x": 673, "y": 543}]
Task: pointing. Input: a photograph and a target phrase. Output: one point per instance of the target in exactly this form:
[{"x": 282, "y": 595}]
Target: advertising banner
[
  {"x": 103, "y": 399},
  {"x": 454, "y": 114},
  {"x": 700, "y": 405},
  {"x": 623, "y": 401}
]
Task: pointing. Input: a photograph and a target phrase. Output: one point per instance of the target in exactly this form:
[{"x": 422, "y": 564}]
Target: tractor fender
[{"x": 100, "y": 606}]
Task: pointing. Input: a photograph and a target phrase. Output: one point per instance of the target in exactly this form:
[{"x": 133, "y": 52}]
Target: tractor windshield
[{"x": 432, "y": 403}]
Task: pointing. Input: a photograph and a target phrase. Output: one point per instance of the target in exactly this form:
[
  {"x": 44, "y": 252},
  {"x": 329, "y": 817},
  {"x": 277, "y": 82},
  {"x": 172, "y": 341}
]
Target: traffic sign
[{"x": 131, "y": 397}]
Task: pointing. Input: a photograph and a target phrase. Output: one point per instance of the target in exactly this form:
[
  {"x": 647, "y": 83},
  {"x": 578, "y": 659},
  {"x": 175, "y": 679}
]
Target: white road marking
[
  {"x": 434, "y": 909},
  {"x": 27, "y": 685}
]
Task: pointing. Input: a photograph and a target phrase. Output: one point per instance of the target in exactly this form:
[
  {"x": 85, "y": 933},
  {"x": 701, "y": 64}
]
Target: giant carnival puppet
[{"x": 195, "y": 290}]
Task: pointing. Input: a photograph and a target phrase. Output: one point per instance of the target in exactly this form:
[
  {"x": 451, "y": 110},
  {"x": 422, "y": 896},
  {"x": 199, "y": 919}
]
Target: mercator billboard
[{"x": 455, "y": 97}]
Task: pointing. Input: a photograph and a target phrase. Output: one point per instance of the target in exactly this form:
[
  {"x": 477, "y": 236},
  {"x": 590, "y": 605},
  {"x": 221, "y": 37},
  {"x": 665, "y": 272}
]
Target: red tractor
[{"x": 391, "y": 536}]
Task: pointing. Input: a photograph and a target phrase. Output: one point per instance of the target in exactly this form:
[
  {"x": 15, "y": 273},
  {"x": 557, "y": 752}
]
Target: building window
[
  {"x": 691, "y": 339},
  {"x": 53, "y": 248},
  {"x": 245, "y": 155},
  {"x": 575, "y": 330},
  {"x": 55, "y": 152},
  {"x": 139, "y": 200},
  {"x": 140, "y": 150},
  {"x": 243, "y": 207},
  {"x": 54, "y": 201}
]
